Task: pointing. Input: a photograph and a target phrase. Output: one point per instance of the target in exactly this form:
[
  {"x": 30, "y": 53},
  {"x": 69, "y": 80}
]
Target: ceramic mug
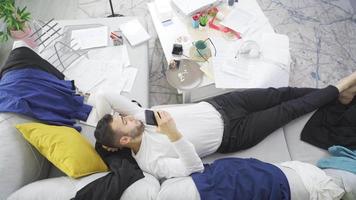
[{"x": 201, "y": 48}]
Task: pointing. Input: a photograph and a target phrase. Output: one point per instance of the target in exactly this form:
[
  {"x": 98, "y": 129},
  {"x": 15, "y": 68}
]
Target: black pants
[{"x": 251, "y": 115}]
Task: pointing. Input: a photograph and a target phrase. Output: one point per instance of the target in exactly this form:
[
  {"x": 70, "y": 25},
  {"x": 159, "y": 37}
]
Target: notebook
[{"x": 134, "y": 32}]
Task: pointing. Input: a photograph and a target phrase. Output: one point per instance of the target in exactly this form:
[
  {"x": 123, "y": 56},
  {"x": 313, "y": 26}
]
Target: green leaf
[
  {"x": 17, "y": 26},
  {"x": 23, "y": 10},
  {"x": 26, "y": 16},
  {"x": 14, "y": 17},
  {"x": 3, "y": 37}
]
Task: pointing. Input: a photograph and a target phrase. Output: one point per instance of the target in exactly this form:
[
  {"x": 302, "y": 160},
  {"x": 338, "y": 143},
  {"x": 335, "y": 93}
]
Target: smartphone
[{"x": 150, "y": 118}]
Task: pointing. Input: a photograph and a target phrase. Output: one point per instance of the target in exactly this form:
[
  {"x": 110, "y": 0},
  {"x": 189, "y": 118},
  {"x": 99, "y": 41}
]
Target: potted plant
[
  {"x": 15, "y": 21},
  {"x": 203, "y": 20}
]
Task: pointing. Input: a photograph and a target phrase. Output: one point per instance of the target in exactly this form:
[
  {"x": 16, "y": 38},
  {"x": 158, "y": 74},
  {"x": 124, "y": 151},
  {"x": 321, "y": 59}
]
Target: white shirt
[
  {"x": 318, "y": 184},
  {"x": 200, "y": 124},
  {"x": 164, "y": 159}
]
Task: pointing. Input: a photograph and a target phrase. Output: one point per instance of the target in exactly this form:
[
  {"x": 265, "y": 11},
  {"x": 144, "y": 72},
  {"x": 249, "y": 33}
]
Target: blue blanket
[
  {"x": 342, "y": 158},
  {"x": 42, "y": 96},
  {"x": 245, "y": 179}
]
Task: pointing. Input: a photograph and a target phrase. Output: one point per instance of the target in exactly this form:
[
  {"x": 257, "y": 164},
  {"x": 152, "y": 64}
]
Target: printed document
[{"x": 90, "y": 37}]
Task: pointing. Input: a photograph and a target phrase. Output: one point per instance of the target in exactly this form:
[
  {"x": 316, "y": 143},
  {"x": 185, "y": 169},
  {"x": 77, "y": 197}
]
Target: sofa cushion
[
  {"x": 65, "y": 188},
  {"x": 20, "y": 163},
  {"x": 300, "y": 150},
  {"x": 65, "y": 148},
  {"x": 272, "y": 149},
  {"x": 88, "y": 133},
  {"x": 53, "y": 188}
]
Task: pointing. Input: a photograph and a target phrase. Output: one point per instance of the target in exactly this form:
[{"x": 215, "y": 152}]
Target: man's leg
[
  {"x": 255, "y": 126},
  {"x": 253, "y": 100},
  {"x": 259, "y": 99}
]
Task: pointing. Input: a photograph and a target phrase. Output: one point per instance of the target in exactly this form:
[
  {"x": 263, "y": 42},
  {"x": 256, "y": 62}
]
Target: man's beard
[{"x": 138, "y": 130}]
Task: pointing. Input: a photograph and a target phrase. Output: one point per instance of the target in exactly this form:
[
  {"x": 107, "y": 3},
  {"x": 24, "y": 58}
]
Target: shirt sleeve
[
  {"x": 187, "y": 163},
  {"x": 107, "y": 102}
]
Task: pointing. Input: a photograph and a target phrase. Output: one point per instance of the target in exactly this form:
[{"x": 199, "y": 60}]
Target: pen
[{"x": 115, "y": 35}]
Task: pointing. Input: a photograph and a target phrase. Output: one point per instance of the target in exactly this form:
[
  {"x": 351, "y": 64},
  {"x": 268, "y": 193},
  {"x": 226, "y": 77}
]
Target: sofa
[{"x": 26, "y": 174}]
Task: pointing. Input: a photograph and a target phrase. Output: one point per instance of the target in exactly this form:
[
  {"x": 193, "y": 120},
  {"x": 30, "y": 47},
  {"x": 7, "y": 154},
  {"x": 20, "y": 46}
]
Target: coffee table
[{"x": 180, "y": 27}]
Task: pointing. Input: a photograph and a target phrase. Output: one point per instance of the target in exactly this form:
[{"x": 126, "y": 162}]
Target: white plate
[{"x": 187, "y": 76}]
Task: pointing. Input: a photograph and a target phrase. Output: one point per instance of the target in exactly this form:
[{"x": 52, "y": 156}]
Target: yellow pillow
[{"x": 64, "y": 147}]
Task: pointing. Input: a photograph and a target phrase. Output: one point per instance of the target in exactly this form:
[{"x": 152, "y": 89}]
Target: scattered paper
[
  {"x": 239, "y": 20},
  {"x": 275, "y": 48},
  {"x": 231, "y": 73},
  {"x": 226, "y": 48},
  {"x": 113, "y": 54},
  {"x": 237, "y": 68},
  {"x": 207, "y": 68},
  {"x": 130, "y": 74},
  {"x": 90, "y": 37},
  {"x": 268, "y": 74},
  {"x": 88, "y": 73},
  {"x": 134, "y": 32}
]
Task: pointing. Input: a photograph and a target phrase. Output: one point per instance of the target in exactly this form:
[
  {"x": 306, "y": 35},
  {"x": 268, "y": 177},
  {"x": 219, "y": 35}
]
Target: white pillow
[
  {"x": 146, "y": 188},
  {"x": 178, "y": 188},
  {"x": 64, "y": 187}
]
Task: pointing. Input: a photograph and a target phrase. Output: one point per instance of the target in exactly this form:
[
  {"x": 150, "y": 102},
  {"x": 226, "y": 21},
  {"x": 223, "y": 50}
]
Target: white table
[
  {"x": 181, "y": 26},
  {"x": 138, "y": 55}
]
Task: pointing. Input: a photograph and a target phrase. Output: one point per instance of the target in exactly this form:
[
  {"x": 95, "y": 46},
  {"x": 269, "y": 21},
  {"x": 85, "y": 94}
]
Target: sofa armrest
[{"x": 20, "y": 162}]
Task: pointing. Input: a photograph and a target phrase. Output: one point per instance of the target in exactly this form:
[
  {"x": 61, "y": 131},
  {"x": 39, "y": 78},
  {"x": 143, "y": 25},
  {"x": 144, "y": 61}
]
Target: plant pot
[
  {"x": 202, "y": 27},
  {"x": 24, "y": 36}
]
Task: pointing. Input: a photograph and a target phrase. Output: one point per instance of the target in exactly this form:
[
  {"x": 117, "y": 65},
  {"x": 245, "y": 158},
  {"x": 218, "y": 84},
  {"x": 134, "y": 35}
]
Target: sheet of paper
[
  {"x": 112, "y": 53},
  {"x": 236, "y": 68},
  {"x": 130, "y": 74},
  {"x": 90, "y": 37},
  {"x": 268, "y": 74},
  {"x": 230, "y": 73},
  {"x": 275, "y": 48},
  {"x": 207, "y": 68},
  {"x": 134, "y": 32},
  {"x": 88, "y": 73},
  {"x": 239, "y": 20},
  {"x": 225, "y": 48}
]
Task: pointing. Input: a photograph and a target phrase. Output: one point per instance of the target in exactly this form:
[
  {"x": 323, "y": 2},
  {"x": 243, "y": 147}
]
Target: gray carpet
[{"x": 322, "y": 38}]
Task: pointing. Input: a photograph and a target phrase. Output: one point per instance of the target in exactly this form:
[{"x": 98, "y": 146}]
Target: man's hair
[{"x": 104, "y": 133}]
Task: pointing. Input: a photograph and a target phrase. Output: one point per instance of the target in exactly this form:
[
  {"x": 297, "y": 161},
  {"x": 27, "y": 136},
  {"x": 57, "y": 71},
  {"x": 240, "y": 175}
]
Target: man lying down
[{"x": 226, "y": 123}]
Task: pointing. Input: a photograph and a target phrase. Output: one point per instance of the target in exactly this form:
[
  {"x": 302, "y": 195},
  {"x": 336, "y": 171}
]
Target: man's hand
[{"x": 167, "y": 126}]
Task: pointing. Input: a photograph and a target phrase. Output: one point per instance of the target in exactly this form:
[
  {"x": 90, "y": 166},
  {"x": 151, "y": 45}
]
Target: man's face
[{"x": 127, "y": 126}]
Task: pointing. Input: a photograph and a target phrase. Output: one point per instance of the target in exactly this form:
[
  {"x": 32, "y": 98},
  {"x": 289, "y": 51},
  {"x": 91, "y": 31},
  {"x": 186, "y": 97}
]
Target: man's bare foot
[
  {"x": 347, "y": 95},
  {"x": 346, "y": 82}
]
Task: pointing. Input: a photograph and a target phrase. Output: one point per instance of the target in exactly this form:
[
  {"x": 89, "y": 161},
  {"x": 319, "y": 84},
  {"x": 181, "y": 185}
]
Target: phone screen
[{"x": 150, "y": 118}]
